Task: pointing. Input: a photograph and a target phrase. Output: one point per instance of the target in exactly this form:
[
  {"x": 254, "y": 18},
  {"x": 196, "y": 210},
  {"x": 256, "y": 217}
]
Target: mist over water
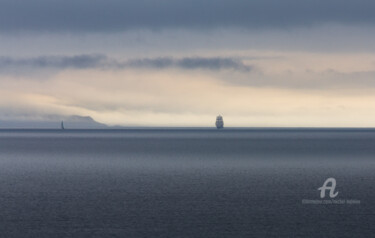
[{"x": 185, "y": 182}]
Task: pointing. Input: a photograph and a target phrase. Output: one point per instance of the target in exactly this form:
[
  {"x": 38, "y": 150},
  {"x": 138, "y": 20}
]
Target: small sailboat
[
  {"x": 62, "y": 125},
  {"x": 219, "y": 122}
]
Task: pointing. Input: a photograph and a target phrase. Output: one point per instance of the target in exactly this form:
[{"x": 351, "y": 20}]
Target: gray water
[{"x": 185, "y": 183}]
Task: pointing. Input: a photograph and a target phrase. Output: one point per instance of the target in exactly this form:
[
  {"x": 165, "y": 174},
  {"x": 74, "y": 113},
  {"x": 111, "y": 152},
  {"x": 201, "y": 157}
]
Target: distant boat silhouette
[
  {"x": 219, "y": 122},
  {"x": 62, "y": 125}
]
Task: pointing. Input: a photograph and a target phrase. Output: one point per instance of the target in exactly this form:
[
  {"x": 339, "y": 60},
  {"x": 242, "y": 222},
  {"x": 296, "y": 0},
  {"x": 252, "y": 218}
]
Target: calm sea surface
[{"x": 186, "y": 183}]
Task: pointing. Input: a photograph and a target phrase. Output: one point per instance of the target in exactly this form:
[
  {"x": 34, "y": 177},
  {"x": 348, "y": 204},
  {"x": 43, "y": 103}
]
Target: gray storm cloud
[
  {"x": 215, "y": 63},
  {"x": 119, "y": 15},
  {"x": 103, "y": 62},
  {"x": 61, "y": 62}
]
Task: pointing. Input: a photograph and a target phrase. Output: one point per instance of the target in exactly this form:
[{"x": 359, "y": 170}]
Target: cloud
[
  {"x": 158, "y": 99},
  {"x": 118, "y": 15},
  {"x": 61, "y": 62},
  {"x": 214, "y": 63},
  {"x": 308, "y": 80},
  {"x": 103, "y": 62}
]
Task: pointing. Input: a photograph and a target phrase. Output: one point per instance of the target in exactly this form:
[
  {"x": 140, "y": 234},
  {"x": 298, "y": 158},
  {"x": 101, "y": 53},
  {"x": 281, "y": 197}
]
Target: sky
[{"x": 259, "y": 63}]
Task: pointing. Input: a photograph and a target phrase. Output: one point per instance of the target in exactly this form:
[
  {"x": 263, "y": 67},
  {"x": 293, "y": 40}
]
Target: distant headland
[{"x": 54, "y": 122}]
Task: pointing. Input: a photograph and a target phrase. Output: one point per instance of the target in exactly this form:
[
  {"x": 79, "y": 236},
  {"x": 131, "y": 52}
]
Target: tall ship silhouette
[{"x": 219, "y": 122}]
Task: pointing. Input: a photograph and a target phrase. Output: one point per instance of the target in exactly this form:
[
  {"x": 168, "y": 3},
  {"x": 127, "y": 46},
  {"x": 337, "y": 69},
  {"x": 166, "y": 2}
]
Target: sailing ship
[
  {"x": 219, "y": 122},
  {"x": 62, "y": 125}
]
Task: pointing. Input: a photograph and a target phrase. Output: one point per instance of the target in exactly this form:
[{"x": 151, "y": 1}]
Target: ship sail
[
  {"x": 219, "y": 122},
  {"x": 62, "y": 125}
]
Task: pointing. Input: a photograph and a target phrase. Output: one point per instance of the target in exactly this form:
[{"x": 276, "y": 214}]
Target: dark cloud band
[
  {"x": 61, "y": 62},
  {"x": 119, "y": 15},
  {"x": 103, "y": 62},
  {"x": 215, "y": 63}
]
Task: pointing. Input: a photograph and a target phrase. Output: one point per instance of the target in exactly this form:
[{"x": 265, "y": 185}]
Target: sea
[{"x": 188, "y": 182}]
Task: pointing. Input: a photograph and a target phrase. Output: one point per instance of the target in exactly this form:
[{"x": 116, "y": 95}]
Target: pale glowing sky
[{"x": 180, "y": 63}]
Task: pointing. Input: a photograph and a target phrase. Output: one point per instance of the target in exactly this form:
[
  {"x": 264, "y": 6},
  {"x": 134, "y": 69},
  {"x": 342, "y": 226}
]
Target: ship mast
[{"x": 219, "y": 122}]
